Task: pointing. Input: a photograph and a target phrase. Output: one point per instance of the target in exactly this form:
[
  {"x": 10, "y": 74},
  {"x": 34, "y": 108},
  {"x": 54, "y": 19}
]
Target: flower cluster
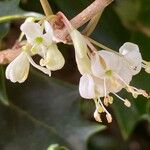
[
  {"x": 107, "y": 72},
  {"x": 40, "y": 41},
  {"x": 104, "y": 73}
]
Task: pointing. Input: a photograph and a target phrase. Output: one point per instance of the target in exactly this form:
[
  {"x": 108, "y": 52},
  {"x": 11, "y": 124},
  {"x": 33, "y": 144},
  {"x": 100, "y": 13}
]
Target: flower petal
[
  {"x": 83, "y": 64},
  {"x": 53, "y": 60},
  {"x": 48, "y": 36},
  {"x": 112, "y": 60},
  {"x": 97, "y": 65},
  {"x": 18, "y": 69},
  {"x": 133, "y": 56},
  {"x": 79, "y": 43},
  {"x": 87, "y": 87},
  {"x": 31, "y": 30}
]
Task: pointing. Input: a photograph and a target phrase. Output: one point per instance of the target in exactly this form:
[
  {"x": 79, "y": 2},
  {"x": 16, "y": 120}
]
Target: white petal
[
  {"x": 111, "y": 60},
  {"x": 84, "y": 65},
  {"x": 18, "y": 69},
  {"x": 31, "y": 30},
  {"x": 115, "y": 84},
  {"x": 128, "y": 47},
  {"x": 133, "y": 56},
  {"x": 99, "y": 86},
  {"x": 87, "y": 87},
  {"x": 79, "y": 43},
  {"x": 44, "y": 70},
  {"x": 97, "y": 65},
  {"x": 48, "y": 36},
  {"x": 53, "y": 60}
]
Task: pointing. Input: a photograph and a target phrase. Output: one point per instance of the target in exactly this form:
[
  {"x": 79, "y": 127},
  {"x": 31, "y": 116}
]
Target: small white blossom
[
  {"x": 39, "y": 41},
  {"x": 105, "y": 72}
]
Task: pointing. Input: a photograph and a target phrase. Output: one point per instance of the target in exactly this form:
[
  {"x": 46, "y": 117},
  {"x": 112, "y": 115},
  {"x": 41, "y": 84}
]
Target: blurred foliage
[{"x": 45, "y": 111}]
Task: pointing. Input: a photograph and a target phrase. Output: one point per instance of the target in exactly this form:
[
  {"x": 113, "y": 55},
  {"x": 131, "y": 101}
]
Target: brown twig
[
  {"x": 8, "y": 55},
  {"x": 84, "y": 17}
]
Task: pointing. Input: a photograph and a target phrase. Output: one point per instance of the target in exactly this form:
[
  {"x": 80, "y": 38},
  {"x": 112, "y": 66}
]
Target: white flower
[
  {"x": 17, "y": 70},
  {"x": 43, "y": 44},
  {"x": 39, "y": 41},
  {"x": 106, "y": 72},
  {"x": 110, "y": 74},
  {"x": 35, "y": 33}
]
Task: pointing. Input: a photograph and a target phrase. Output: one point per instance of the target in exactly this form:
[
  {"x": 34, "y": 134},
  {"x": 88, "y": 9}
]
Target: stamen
[
  {"x": 106, "y": 100},
  {"x": 122, "y": 80},
  {"x": 97, "y": 116},
  {"x": 140, "y": 92},
  {"x": 98, "y": 106},
  {"x": 146, "y": 66},
  {"x": 46, "y": 71},
  {"x": 135, "y": 92},
  {"x": 108, "y": 115},
  {"x": 126, "y": 101},
  {"x": 105, "y": 91}
]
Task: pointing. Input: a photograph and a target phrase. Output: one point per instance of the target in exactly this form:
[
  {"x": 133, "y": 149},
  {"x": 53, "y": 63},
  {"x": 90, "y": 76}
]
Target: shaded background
[{"x": 44, "y": 111}]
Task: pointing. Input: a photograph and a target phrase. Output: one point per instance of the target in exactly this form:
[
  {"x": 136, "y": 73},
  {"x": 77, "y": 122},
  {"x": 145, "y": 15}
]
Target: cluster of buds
[{"x": 104, "y": 73}]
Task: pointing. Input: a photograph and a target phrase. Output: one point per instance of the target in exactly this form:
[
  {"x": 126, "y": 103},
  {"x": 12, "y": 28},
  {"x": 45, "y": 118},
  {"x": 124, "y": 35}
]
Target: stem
[
  {"x": 92, "y": 24},
  {"x": 84, "y": 17},
  {"x": 21, "y": 16},
  {"x": 100, "y": 45},
  {"x": 46, "y": 7},
  {"x": 103, "y": 46}
]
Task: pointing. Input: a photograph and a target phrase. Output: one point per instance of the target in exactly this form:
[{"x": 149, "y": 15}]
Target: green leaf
[
  {"x": 10, "y": 7},
  {"x": 44, "y": 111},
  {"x": 3, "y": 95},
  {"x": 4, "y": 28},
  {"x": 10, "y": 11}
]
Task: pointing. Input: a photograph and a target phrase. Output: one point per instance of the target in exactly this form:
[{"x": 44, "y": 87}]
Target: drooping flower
[
  {"x": 39, "y": 41},
  {"x": 105, "y": 72}
]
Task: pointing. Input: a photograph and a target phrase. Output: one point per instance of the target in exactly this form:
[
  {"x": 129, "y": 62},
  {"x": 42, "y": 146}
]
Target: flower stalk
[{"x": 46, "y": 7}]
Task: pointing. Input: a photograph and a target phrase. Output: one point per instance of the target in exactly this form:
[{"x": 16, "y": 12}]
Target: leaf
[
  {"x": 10, "y": 7},
  {"x": 44, "y": 111},
  {"x": 3, "y": 95},
  {"x": 4, "y": 27},
  {"x": 10, "y": 11}
]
